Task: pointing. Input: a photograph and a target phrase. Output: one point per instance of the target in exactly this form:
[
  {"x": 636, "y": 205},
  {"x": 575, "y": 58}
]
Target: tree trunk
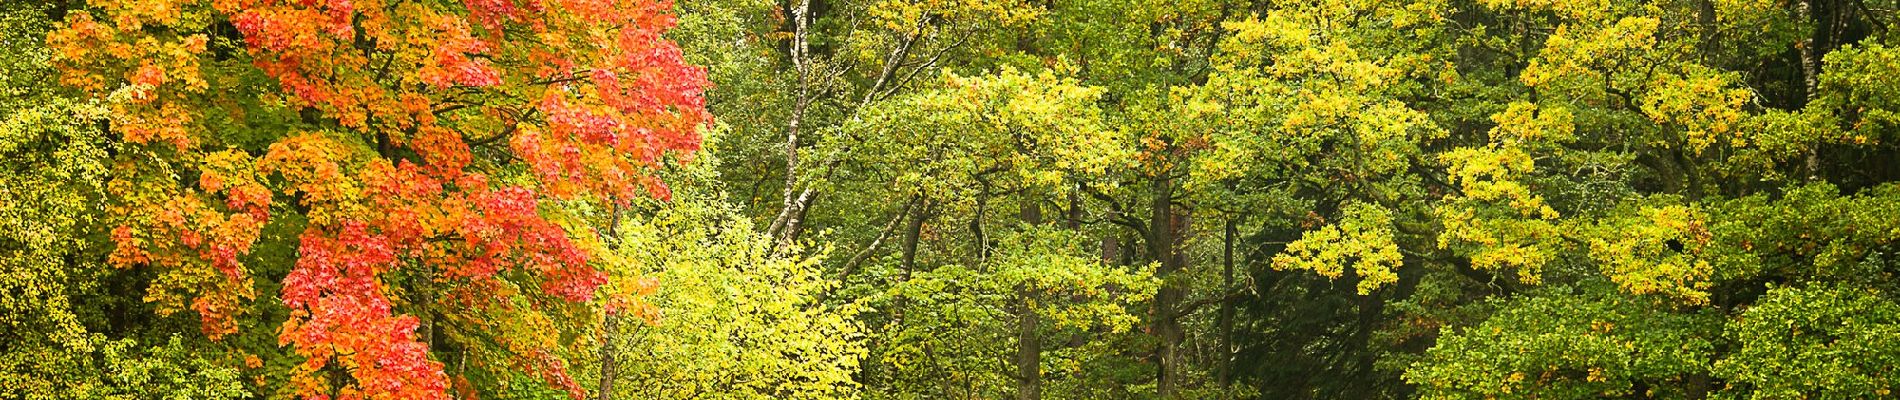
[
  {"x": 851, "y": 265},
  {"x": 1167, "y": 325},
  {"x": 980, "y": 243},
  {"x": 1225, "y": 373},
  {"x": 1028, "y": 331},
  {"x": 1032, "y": 211},
  {"x": 610, "y": 328},
  {"x": 911, "y": 233},
  {"x": 801, "y": 16},
  {"x": 1075, "y": 210},
  {"x": 1028, "y": 346},
  {"x": 1705, "y": 21},
  {"x": 1834, "y": 23},
  {"x": 608, "y": 365},
  {"x": 1810, "y": 76}
]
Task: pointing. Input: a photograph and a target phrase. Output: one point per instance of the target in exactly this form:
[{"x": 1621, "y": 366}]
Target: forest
[{"x": 949, "y": 199}]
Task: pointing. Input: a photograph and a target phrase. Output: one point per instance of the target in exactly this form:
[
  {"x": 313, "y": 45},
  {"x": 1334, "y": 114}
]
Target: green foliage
[
  {"x": 1567, "y": 343},
  {"x": 956, "y": 325},
  {"x": 1808, "y": 232},
  {"x": 1866, "y": 80},
  {"x": 1817, "y": 342},
  {"x": 119, "y": 369},
  {"x": 53, "y": 164}
]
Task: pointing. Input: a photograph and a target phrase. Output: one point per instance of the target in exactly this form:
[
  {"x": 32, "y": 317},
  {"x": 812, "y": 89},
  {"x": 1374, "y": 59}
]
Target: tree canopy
[{"x": 905, "y": 199}]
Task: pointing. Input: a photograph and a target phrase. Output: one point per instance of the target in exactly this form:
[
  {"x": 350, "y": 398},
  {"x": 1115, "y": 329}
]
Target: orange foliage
[{"x": 586, "y": 96}]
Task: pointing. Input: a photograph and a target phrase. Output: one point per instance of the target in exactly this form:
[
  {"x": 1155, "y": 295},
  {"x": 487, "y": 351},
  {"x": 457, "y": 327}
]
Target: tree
[
  {"x": 1051, "y": 133},
  {"x": 420, "y": 156},
  {"x": 1682, "y": 181},
  {"x": 961, "y": 330},
  {"x": 735, "y": 319}
]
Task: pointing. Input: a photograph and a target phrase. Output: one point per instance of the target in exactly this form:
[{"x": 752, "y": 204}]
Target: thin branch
[
  {"x": 851, "y": 267},
  {"x": 1121, "y": 215}
]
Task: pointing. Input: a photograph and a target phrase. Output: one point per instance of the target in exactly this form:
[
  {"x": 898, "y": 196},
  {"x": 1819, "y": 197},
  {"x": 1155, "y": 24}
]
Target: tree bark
[
  {"x": 1028, "y": 346},
  {"x": 1032, "y": 211},
  {"x": 787, "y": 225},
  {"x": 980, "y": 242},
  {"x": 1167, "y": 325},
  {"x": 608, "y": 365},
  {"x": 610, "y": 328},
  {"x": 801, "y": 99},
  {"x": 1075, "y": 209},
  {"x": 1834, "y": 23},
  {"x": 911, "y": 233},
  {"x": 1225, "y": 373},
  {"x": 1705, "y": 21},
  {"x": 1810, "y": 75},
  {"x": 1028, "y": 325}
]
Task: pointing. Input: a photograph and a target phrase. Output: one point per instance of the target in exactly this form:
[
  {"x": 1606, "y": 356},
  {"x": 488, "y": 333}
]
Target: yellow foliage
[
  {"x": 1658, "y": 253},
  {"x": 1361, "y": 240}
]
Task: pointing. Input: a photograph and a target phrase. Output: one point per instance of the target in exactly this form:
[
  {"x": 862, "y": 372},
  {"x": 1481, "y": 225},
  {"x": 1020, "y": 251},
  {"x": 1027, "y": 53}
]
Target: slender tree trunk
[
  {"x": 1370, "y": 308},
  {"x": 911, "y": 233},
  {"x": 801, "y": 18},
  {"x": 1167, "y": 325},
  {"x": 1028, "y": 329},
  {"x": 796, "y": 225},
  {"x": 981, "y": 243},
  {"x": 1075, "y": 210},
  {"x": 1028, "y": 346},
  {"x": 1833, "y": 22},
  {"x": 1705, "y": 21},
  {"x": 1111, "y": 245},
  {"x": 610, "y": 328},
  {"x": 608, "y": 365},
  {"x": 1031, "y": 211},
  {"x": 790, "y": 220},
  {"x": 1225, "y": 374},
  {"x": 801, "y": 99},
  {"x": 908, "y": 260},
  {"x": 1810, "y": 75},
  {"x": 1810, "y": 57}
]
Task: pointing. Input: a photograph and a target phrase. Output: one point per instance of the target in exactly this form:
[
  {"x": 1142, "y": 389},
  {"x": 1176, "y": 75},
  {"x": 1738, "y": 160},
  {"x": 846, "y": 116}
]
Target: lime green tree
[{"x": 730, "y": 317}]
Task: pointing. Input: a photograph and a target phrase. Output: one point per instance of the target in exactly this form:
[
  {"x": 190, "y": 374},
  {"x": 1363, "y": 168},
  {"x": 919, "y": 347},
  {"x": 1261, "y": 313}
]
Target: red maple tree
[{"x": 429, "y": 138}]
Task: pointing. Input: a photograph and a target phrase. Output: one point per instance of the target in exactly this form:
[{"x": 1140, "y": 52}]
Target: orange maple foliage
[{"x": 431, "y": 135}]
